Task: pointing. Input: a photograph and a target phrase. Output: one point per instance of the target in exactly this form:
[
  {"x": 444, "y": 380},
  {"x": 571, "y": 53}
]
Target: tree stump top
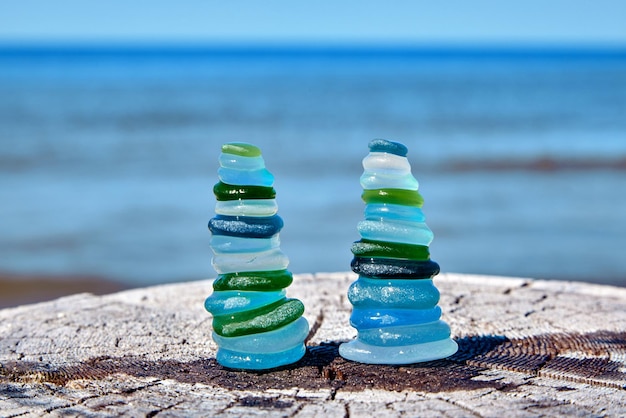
[{"x": 527, "y": 347}]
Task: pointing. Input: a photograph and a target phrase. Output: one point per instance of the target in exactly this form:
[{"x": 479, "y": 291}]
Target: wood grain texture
[{"x": 527, "y": 348}]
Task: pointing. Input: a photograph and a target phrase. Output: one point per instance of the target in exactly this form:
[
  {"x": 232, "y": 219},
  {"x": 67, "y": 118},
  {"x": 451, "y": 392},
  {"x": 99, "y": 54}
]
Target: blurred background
[{"x": 112, "y": 115}]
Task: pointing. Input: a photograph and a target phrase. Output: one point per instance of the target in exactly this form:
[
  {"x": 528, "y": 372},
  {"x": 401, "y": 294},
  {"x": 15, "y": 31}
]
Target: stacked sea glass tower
[
  {"x": 254, "y": 324},
  {"x": 394, "y": 300}
]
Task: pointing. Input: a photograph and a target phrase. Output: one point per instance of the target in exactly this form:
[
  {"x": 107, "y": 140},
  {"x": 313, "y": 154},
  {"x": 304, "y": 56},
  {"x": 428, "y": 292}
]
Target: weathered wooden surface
[{"x": 527, "y": 348}]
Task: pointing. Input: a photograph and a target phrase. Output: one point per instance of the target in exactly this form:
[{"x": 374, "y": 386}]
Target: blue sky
[{"x": 323, "y": 21}]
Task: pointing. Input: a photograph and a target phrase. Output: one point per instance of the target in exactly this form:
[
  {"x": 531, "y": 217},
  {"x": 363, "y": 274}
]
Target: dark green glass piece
[
  {"x": 242, "y": 149},
  {"x": 254, "y": 280},
  {"x": 225, "y": 191},
  {"x": 383, "y": 145},
  {"x": 384, "y": 249},
  {"x": 393, "y": 268},
  {"x": 266, "y": 318},
  {"x": 395, "y": 196}
]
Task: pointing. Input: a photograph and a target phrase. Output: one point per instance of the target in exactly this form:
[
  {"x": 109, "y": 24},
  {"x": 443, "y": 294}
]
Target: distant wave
[{"x": 544, "y": 164}]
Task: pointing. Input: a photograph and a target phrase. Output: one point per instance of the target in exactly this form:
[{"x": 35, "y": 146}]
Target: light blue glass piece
[
  {"x": 375, "y": 180},
  {"x": 232, "y": 301},
  {"x": 393, "y": 293},
  {"x": 260, "y": 177},
  {"x": 226, "y": 244},
  {"x": 380, "y": 317},
  {"x": 270, "y": 260},
  {"x": 247, "y": 207},
  {"x": 262, "y": 361},
  {"x": 240, "y": 162},
  {"x": 391, "y": 212},
  {"x": 416, "y": 233},
  {"x": 405, "y": 335},
  {"x": 404, "y": 354},
  {"x": 280, "y": 339},
  {"x": 384, "y": 163}
]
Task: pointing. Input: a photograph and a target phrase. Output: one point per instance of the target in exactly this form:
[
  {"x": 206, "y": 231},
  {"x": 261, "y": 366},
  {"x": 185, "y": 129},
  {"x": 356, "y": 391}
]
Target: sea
[{"x": 108, "y": 154}]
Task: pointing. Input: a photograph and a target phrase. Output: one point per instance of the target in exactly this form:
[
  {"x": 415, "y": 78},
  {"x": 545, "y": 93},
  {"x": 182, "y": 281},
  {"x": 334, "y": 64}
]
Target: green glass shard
[
  {"x": 266, "y": 318},
  {"x": 254, "y": 280},
  {"x": 395, "y": 196},
  {"x": 384, "y": 249},
  {"x": 225, "y": 191},
  {"x": 242, "y": 149}
]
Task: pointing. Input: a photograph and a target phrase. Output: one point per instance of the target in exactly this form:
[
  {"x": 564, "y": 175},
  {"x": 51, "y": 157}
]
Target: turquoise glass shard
[
  {"x": 235, "y": 301},
  {"x": 394, "y": 299},
  {"x": 365, "y": 318},
  {"x": 227, "y": 244},
  {"x": 415, "y": 233},
  {"x": 406, "y": 334},
  {"x": 259, "y": 361},
  {"x": 238, "y": 162},
  {"x": 270, "y": 260},
  {"x": 246, "y": 207},
  {"x": 254, "y": 325},
  {"x": 393, "y": 293},
  {"x": 381, "y": 212},
  {"x": 362, "y": 352},
  {"x": 373, "y": 180},
  {"x": 260, "y": 177}
]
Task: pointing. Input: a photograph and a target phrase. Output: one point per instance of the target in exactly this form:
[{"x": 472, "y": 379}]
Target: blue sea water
[{"x": 108, "y": 156}]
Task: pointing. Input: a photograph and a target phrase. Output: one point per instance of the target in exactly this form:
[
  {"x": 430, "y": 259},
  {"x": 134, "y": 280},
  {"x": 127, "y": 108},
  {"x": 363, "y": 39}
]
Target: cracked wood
[{"x": 528, "y": 347}]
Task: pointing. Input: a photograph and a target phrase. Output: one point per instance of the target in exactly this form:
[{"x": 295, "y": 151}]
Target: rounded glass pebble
[
  {"x": 240, "y": 162},
  {"x": 280, "y": 339},
  {"x": 254, "y": 280},
  {"x": 273, "y": 259},
  {"x": 416, "y": 233},
  {"x": 383, "y": 163},
  {"x": 393, "y": 293},
  {"x": 393, "y": 268},
  {"x": 372, "y": 180},
  {"x": 247, "y": 207},
  {"x": 384, "y": 145},
  {"x": 405, "y": 354},
  {"x": 260, "y": 177},
  {"x": 364, "y": 318},
  {"x": 246, "y": 226},
  {"x": 223, "y": 191},
  {"x": 266, "y": 318},
  {"x": 395, "y": 196},
  {"x": 385, "y": 249},
  {"x": 391, "y": 212},
  {"x": 233, "y": 301},
  {"x": 259, "y": 361},
  {"x": 241, "y": 148},
  {"x": 406, "y": 334},
  {"x": 226, "y": 244}
]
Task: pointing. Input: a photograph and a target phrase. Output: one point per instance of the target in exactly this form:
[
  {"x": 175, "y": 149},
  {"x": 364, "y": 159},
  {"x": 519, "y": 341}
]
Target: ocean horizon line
[{"x": 313, "y": 50}]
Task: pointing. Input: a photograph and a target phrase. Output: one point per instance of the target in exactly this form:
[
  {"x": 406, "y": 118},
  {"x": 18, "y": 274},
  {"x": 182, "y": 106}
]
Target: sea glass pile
[
  {"x": 394, "y": 299},
  {"x": 254, "y": 324}
]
